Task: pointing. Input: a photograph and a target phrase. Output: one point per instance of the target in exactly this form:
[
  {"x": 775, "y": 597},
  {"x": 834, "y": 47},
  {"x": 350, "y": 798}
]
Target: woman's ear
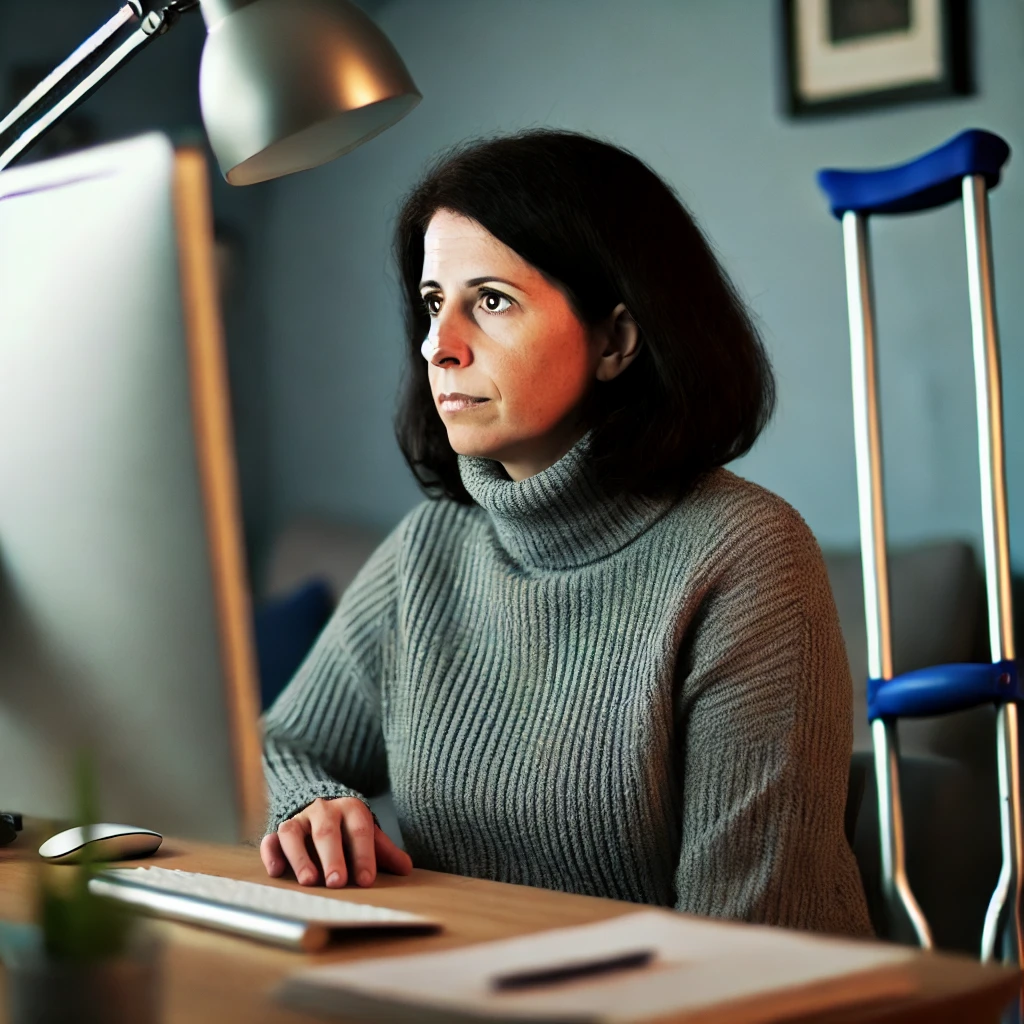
[{"x": 619, "y": 342}]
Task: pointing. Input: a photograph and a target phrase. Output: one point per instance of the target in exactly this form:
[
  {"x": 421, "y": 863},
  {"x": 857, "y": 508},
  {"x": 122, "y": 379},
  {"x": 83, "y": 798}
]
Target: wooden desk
[{"x": 212, "y": 978}]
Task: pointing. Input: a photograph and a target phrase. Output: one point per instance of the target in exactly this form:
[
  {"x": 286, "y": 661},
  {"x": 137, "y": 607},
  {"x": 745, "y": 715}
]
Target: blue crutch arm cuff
[
  {"x": 941, "y": 689},
  {"x": 924, "y": 183}
]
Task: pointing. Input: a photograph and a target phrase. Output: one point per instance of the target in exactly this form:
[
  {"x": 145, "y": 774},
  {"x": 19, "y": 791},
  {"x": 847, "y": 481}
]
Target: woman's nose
[{"x": 446, "y": 346}]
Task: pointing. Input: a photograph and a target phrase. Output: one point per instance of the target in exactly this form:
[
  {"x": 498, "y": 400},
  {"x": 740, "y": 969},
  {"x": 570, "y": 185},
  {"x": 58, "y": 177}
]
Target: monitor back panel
[{"x": 123, "y": 608}]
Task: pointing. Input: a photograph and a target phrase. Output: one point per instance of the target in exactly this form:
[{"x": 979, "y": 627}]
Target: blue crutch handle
[
  {"x": 924, "y": 183},
  {"x": 940, "y": 689}
]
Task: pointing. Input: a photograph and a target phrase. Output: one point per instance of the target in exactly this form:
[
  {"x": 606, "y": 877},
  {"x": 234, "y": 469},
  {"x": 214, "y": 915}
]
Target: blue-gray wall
[
  {"x": 691, "y": 88},
  {"x": 689, "y": 85}
]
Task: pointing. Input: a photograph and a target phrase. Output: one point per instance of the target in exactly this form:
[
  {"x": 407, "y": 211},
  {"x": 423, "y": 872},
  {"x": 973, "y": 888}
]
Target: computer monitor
[{"x": 124, "y": 609}]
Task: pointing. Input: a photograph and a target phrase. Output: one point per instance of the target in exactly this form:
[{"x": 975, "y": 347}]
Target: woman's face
[{"x": 509, "y": 362}]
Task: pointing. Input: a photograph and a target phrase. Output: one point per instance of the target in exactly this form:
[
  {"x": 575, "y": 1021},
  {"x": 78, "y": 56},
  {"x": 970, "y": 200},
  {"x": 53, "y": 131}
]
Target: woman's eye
[{"x": 492, "y": 300}]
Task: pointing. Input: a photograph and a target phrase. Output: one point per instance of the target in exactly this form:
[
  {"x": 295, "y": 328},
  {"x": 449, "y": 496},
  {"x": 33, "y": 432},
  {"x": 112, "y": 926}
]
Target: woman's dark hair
[{"x": 604, "y": 226}]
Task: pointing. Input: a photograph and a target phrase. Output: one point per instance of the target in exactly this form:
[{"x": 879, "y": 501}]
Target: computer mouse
[{"x": 105, "y": 842}]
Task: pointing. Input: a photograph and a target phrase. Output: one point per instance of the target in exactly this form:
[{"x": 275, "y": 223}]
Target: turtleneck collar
[{"x": 561, "y": 517}]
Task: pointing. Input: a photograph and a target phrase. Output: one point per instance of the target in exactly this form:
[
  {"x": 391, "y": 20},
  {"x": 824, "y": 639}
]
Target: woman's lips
[{"x": 456, "y": 402}]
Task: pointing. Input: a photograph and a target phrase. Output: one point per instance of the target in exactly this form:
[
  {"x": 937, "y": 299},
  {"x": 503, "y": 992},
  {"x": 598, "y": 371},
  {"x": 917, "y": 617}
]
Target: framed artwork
[{"x": 842, "y": 55}]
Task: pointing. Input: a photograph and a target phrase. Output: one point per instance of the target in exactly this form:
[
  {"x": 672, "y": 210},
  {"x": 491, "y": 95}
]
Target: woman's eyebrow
[{"x": 474, "y": 281}]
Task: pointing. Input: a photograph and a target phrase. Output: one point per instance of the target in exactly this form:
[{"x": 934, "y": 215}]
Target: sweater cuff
[{"x": 286, "y": 805}]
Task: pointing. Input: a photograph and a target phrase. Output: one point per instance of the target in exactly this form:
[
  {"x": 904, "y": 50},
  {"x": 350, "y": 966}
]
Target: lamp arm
[{"x": 48, "y": 92}]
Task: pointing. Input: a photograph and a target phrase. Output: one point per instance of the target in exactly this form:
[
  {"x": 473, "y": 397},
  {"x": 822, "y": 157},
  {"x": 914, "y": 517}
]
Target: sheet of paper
[{"x": 700, "y": 965}]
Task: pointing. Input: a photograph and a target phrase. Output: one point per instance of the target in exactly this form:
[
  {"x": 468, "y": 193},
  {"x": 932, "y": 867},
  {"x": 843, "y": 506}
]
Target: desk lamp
[{"x": 284, "y": 85}]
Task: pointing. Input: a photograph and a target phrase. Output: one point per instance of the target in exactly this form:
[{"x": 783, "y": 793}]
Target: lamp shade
[{"x": 286, "y": 85}]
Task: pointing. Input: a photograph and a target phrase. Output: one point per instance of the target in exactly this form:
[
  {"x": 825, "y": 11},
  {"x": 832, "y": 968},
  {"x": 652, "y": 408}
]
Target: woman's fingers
[
  {"x": 292, "y": 835},
  {"x": 325, "y": 829},
  {"x": 357, "y": 830},
  {"x": 270, "y": 853},
  {"x": 347, "y": 842},
  {"x": 390, "y": 857}
]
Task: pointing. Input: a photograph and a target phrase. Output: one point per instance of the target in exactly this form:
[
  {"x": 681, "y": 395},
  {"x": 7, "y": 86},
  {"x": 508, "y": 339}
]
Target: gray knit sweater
[{"x": 616, "y": 696}]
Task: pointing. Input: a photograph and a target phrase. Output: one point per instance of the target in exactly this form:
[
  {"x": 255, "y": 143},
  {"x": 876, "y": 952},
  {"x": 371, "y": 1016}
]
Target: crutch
[{"x": 966, "y": 167}]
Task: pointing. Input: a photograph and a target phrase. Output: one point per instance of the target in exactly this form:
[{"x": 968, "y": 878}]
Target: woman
[{"x": 596, "y": 661}]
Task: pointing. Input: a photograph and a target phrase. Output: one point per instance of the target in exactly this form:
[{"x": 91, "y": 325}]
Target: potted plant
[{"x": 87, "y": 959}]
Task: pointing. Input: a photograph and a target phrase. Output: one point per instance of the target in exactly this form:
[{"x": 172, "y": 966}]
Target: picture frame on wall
[{"x": 846, "y": 55}]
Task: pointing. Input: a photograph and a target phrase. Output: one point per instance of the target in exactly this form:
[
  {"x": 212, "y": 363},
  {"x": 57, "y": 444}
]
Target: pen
[{"x": 580, "y": 969}]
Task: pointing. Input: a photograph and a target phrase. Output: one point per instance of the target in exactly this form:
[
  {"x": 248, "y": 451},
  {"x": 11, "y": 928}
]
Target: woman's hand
[{"x": 347, "y": 843}]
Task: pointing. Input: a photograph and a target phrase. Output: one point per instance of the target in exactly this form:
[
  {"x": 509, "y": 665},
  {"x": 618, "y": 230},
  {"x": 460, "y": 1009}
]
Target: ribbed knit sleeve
[
  {"x": 322, "y": 736},
  {"x": 765, "y": 709}
]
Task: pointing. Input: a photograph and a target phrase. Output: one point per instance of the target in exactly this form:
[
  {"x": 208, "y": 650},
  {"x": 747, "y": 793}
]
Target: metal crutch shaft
[
  {"x": 906, "y": 921},
  {"x": 1002, "y": 933}
]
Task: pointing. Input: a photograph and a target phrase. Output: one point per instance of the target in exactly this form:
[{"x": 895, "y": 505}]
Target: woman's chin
[
  {"x": 467, "y": 441},
  {"x": 482, "y": 451}
]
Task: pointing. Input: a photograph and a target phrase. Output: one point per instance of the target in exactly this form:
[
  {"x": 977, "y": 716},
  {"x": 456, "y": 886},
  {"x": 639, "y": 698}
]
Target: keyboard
[{"x": 268, "y": 913}]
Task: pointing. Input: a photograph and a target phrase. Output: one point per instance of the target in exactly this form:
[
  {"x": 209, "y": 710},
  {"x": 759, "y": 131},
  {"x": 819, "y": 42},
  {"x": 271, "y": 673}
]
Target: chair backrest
[
  {"x": 937, "y": 596},
  {"x": 951, "y": 827},
  {"x": 311, "y": 547},
  {"x": 948, "y": 782}
]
